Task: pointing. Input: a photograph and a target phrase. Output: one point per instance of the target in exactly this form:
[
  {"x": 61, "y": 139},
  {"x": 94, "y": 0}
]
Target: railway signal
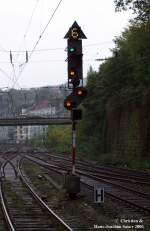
[
  {"x": 74, "y": 38},
  {"x": 74, "y": 52},
  {"x": 75, "y": 98}
]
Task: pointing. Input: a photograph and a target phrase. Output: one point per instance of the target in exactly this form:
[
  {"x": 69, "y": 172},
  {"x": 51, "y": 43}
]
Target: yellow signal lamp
[{"x": 72, "y": 73}]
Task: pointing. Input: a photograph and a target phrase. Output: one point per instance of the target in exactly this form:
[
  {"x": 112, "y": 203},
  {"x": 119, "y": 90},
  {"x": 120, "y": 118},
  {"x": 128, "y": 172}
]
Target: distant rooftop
[{"x": 41, "y": 105}]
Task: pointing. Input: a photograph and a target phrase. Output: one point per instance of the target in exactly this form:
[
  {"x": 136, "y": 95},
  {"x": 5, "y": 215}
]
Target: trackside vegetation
[
  {"x": 118, "y": 95},
  {"x": 115, "y": 128}
]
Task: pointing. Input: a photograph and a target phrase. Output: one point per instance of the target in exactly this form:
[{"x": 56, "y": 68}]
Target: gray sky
[{"x": 47, "y": 66}]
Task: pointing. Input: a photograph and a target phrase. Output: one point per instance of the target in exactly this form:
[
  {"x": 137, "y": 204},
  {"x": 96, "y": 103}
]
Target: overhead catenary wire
[
  {"x": 14, "y": 73},
  {"x": 45, "y": 28},
  {"x": 12, "y": 64},
  {"x": 57, "y": 48},
  {"x": 30, "y": 20},
  {"x": 27, "y": 28},
  {"x": 7, "y": 75},
  {"x": 85, "y": 60},
  {"x": 4, "y": 73},
  {"x": 41, "y": 35},
  {"x": 19, "y": 51}
]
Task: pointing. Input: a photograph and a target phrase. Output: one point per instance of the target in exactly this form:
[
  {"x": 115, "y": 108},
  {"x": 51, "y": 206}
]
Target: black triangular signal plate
[{"x": 75, "y": 25}]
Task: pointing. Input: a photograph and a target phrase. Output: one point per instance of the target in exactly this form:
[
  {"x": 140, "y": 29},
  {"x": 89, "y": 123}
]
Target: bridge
[{"x": 25, "y": 121}]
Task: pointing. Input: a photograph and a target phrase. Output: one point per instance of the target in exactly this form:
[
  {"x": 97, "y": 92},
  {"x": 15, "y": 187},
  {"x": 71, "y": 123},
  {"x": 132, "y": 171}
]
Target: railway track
[
  {"x": 139, "y": 200},
  {"x": 128, "y": 187},
  {"x": 131, "y": 197},
  {"x": 76, "y": 218},
  {"x": 23, "y": 208},
  {"x": 122, "y": 199},
  {"x": 107, "y": 172},
  {"x": 129, "y": 184},
  {"x": 126, "y": 183},
  {"x": 112, "y": 172},
  {"x": 2, "y": 220}
]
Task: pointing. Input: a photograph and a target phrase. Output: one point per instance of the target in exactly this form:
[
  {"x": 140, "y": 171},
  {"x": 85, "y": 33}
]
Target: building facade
[{"x": 42, "y": 109}]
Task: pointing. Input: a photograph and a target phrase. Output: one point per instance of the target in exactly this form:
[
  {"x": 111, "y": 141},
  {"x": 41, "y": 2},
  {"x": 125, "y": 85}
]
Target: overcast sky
[{"x": 22, "y": 22}]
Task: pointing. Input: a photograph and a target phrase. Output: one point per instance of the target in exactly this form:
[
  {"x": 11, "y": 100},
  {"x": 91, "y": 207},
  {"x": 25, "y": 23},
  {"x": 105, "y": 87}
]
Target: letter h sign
[{"x": 98, "y": 195}]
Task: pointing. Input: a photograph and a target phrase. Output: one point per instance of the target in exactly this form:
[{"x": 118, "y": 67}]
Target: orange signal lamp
[
  {"x": 68, "y": 104},
  {"x": 72, "y": 73},
  {"x": 79, "y": 92}
]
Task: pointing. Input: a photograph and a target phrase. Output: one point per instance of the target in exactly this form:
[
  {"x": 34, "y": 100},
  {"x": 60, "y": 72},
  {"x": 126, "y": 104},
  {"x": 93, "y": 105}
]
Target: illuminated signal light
[
  {"x": 72, "y": 49},
  {"x": 79, "y": 92},
  {"x": 68, "y": 104},
  {"x": 72, "y": 73},
  {"x": 75, "y": 98}
]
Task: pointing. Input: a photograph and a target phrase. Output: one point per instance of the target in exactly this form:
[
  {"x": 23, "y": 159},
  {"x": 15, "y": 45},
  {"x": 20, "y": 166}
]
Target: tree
[
  {"x": 121, "y": 82},
  {"x": 139, "y": 7}
]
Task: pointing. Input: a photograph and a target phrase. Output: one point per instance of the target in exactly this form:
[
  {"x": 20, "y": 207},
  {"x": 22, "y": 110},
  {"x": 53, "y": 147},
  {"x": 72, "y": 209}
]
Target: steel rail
[
  {"x": 108, "y": 193},
  {"x": 4, "y": 207},
  {"x": 116, "y": 176},
  {"x": 94, "y": 176},
  {"x": 45, "y": 164},
  {"x": 119, "y": 198},
  {"x": 43, "y": 204}
]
